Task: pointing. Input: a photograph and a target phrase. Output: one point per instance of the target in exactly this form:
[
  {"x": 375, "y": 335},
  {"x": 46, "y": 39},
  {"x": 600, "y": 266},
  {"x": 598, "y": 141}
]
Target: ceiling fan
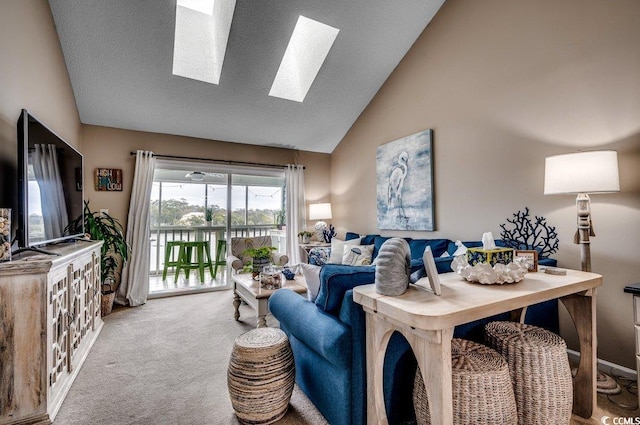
[{"x": 198, "y": 176}]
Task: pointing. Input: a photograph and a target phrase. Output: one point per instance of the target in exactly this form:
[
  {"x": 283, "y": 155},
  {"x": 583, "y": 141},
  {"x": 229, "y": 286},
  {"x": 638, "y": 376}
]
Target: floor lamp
[
  {"x": 580, "y": 174},
  {"x": 583, "y": 173}
]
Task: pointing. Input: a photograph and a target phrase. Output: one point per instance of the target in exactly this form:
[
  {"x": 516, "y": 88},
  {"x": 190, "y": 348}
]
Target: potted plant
[
  {"x": 101, "y": 226},
  {"x": 208, "y": 216},
  {"x": 305, "y": 236},
  {"x": 280, "y": 219},
  {"x": 260, "y": 257}
]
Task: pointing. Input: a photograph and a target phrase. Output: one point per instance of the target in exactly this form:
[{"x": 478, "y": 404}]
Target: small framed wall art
[
  {"x": 108, "y": 179},
  {"x": 531, "y": 255}
]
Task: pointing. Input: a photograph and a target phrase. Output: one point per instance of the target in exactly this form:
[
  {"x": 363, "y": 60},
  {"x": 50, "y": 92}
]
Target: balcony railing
[{"x": 162, "y": 234}]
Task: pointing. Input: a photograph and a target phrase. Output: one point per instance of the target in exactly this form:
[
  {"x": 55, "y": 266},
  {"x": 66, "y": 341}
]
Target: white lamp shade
[
  {"x": 321, "y": 211},
  {"x": 582, "y": 172}
]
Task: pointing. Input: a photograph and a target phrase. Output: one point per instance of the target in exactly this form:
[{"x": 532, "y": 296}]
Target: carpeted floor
[{"x": 166, "y": 363}]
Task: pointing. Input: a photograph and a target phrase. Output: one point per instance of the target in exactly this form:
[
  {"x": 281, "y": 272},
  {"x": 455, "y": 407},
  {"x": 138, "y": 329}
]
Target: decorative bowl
[{"x": 485, "y": 274}]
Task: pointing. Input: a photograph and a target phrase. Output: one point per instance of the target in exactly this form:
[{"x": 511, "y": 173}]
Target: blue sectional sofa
[{"x": 328, "y": 337}]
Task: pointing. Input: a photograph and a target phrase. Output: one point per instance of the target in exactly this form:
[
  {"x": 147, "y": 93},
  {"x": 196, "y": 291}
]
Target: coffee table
[{"x": 247, "y": 289}]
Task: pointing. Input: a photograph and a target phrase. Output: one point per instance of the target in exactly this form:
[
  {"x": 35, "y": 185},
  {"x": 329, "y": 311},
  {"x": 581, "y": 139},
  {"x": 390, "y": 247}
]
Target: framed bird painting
[{"x": 404, "y": 174}]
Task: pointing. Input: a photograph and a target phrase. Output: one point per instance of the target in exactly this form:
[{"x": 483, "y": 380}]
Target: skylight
[
  {"x": 202, "y": 31},
  {"x": 308, "y": 48}
]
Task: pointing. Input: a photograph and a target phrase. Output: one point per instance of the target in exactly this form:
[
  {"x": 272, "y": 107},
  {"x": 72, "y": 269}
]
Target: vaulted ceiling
[{"x": 119, "y": 55}]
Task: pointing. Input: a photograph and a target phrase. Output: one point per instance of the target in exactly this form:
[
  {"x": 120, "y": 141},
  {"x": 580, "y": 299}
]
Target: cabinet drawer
[{"x": 636, "y": 309}]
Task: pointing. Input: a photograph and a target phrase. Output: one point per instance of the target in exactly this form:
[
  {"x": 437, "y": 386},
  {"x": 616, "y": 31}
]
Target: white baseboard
[{"x": 605, "y": 366}]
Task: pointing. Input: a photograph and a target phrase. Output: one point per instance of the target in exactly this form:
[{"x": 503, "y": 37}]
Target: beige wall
[
  {"x": 504, "y": 84},
  {"x": 105, "y": 147},
  {"x": 33, "y": 75}
]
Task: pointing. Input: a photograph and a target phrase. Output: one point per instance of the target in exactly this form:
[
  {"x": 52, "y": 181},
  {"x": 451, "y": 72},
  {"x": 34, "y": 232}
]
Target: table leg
[
  {"x": 433, "y": 352},
  {"x": 582, "y": 309},
  {"x": 236, "y": 305},
  {"x": 262, "y": 321},
  {"x": 378, "y": 332}
]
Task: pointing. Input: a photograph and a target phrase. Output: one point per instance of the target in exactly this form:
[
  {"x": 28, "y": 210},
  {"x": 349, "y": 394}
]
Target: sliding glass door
[{"x": 208, "y": 203}]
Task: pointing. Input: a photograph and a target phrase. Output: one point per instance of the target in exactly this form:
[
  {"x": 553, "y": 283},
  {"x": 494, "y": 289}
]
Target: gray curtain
[{"x": 134, "y": 288}]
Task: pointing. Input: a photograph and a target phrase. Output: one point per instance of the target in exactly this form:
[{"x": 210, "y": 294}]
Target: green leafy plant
[
  {"x": 101, "y": 226},
  {"x": 208, "y": 215},
  {"x": 257, "y": 253},
  {"x": 305, "y": 233},
  {"x": 280, "y": 218}
]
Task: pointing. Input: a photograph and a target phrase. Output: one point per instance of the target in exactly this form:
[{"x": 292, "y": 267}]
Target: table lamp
[
  {"x": 320, "y": 211},
  {"x": 582, "y": 173}
]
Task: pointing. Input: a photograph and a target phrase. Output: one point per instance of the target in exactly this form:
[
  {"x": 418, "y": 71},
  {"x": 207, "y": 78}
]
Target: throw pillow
[
  {"x": 337, "y": 249},
  {"x": 357, "y": 255},
  {"x": 311, "y": 275}
]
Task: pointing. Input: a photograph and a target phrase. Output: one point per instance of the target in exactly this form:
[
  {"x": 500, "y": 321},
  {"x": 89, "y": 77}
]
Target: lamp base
[{"x": 320, "y": 227}]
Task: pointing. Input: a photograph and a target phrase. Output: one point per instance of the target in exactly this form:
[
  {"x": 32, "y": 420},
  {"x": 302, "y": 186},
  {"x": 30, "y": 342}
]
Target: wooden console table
[{"x": 427, "y": 322}]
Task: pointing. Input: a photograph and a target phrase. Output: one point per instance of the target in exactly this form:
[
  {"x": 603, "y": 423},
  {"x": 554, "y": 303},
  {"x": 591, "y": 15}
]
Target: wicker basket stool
[
  {"x": 539, "y": 369},
  {"x": 261, "y": 376},
  {"x": 482, "y": 392}
]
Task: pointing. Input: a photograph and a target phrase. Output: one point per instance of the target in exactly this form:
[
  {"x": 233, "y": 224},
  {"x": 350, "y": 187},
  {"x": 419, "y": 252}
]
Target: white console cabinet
[
  {"x": 49, "y": 320},
  {"x": 635, "y": 290}
]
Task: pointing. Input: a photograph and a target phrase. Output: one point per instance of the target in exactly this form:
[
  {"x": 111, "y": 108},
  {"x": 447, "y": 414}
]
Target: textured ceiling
[{"x": 119, "y": 55}]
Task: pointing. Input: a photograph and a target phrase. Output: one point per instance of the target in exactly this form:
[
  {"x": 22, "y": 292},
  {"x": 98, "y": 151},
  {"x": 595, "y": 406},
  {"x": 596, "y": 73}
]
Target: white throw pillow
[
  {"x": 357, "y": 255},
  {"x": 337, "y": 249},
  {"x": 311, "y": 274}
]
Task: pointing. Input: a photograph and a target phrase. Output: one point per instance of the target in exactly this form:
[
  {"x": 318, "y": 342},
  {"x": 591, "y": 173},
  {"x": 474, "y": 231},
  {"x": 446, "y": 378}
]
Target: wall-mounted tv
[{"x": 50, "y": 192}]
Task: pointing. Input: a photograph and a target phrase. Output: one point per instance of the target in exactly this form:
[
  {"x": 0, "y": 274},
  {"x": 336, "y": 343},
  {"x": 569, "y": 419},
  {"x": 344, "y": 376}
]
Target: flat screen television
[{"x": 50, "y": 192}]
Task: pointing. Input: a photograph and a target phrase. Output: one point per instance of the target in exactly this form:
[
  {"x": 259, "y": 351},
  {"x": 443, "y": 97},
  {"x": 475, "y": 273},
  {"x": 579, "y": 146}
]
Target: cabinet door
[
  {"x": 76, "y": 301},
  {"x": 58, "y": 324},
  {"x": 91, "y": 293}
]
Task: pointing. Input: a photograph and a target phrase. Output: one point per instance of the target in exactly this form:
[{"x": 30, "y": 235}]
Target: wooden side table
[{"x": 247, "y": 289}]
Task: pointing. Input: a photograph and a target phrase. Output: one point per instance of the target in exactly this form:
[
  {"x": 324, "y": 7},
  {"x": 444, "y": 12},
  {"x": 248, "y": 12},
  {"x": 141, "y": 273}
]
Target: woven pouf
[
  {"x": 539, "y": 369},
  {"x": 482, "y": 392},
  {"x": 261, "y": 376}
]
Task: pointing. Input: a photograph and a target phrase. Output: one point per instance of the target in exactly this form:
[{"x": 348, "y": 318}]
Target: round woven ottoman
[
  {"x": 482, "y": 392},
  {"x": 261, "y": 376},
  {"x": 539, "y": 369}
]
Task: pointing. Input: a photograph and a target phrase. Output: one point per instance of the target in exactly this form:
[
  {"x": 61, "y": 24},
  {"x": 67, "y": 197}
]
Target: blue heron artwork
[{"x": 404, "y": 175}]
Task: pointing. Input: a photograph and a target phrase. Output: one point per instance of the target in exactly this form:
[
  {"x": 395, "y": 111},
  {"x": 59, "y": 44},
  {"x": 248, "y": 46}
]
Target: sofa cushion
[
  {"x": 337, "y": 249},
  {"x": 311, "y": 275},
  {"x": 417, "y": 246},
  {"x": 357, "y": 255},
  {"x": 351, "y": 235}
]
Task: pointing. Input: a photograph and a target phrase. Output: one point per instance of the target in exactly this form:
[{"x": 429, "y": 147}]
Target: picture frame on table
[
  {"x": 529, "y": 254},
  {"x": 432, "y": 271}
]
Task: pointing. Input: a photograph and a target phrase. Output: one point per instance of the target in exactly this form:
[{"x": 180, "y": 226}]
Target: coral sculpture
[
  {"x": 525, "y": 233},
  {"x": 329, "y": 234}
]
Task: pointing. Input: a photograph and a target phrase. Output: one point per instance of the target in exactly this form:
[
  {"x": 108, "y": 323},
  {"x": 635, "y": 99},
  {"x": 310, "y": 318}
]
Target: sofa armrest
[
  {"x": 235, "y": 262},
  {"x": 336, "y": 279},
  {"x": 321, "y": 332},
  {"x": 279, "y": 259}
]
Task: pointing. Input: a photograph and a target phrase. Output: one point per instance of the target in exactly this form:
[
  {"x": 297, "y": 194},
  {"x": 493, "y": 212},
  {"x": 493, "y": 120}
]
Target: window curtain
[
  {"x": 47, "y": 173},
  {"x": 134, "y": 287},
  {"x": 296, "y": 214}
]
